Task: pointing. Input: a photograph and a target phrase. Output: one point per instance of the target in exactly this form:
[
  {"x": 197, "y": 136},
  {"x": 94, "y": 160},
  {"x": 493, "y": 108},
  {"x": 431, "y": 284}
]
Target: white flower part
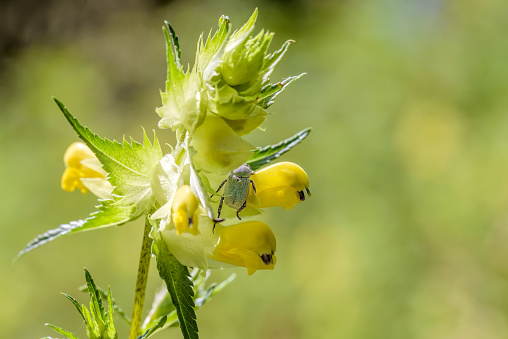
[
  {"x": 166, "y": 179},
  {"x": 194, "y": 250},
  {"x": 98, "y": 186}
]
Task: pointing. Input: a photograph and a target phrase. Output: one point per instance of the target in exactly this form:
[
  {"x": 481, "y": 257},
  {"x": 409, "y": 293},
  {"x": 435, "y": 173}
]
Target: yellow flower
[
  {"x": 84, "y": 171},
  {"x": 249, "y": 244},
  {"x": 185, "y": 211},
  {"x": 281, "y": 184}
]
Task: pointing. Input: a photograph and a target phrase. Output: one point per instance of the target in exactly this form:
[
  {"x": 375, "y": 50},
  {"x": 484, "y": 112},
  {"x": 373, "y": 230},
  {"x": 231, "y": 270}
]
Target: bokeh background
[{"x": 406, "y": 233}]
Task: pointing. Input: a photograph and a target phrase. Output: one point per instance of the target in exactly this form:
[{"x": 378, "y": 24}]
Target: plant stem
[{"x": 139, "y": 297}]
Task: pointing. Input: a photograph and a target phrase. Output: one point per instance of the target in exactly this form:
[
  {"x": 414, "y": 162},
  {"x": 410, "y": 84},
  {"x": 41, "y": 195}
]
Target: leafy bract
[
  {"x": 270, "y": 92},
  {"x": 176, "y": 276},
  {"x": 108, "y": 214},
  {"x": 129, "y": 165},
  {"x": 262, "y": 156}
]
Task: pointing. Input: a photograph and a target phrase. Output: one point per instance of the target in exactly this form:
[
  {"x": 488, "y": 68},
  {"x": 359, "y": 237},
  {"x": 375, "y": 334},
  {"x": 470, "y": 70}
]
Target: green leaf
[
  {"x": 76, "y": 304},
  {"x": 176, "y": 277},
  {"x": 129, "y": 165},
  {"x": 213, "y": 45},
  {"x": 96, "y": 307},
  {"x": 170, "y": 33},
  {"x": 116, "y": 307},
  {"x": 110, "y": 323},
  {"x": 270, "y": 92},
  {"x": 161, "y": 323},
  {"x": 109, "y": 214},
  {"x": 92, "y": 328},
  {"x": 273, "y": 59},
  {"x": 62, "y": 331},
  {"x": 264, "y": 155}
]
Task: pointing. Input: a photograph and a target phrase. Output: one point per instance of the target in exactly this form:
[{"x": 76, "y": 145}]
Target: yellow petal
[
  {"x": 249, "y": 244},
  {"x": 184, "y": 210},
  {"x": 77, "y": 157},
  {"x": 281, "y": 184}
]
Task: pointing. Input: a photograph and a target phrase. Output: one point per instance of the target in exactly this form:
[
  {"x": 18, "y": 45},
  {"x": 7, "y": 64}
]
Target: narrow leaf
[
  {"x": 91, "y": 325},
  {"x": 270, "y": 92},
  {"x": 175, "y": 44},
  {"x": 95, "y": 298},
  {"x": 62, "y": 331},
  {"x": 116, "y": 307},
  {"x": 76, "y": 304},
  {"x": 263, "y": 156},
  {"x": 107, "y": 215},
  {"x": 154, "y": 328},
  {"x": 110, "y": 324},
  {"x": 176, "y": 276}
]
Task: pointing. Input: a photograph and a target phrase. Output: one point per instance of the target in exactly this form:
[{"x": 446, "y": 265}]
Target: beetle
[{"x": 236, "y": 190}]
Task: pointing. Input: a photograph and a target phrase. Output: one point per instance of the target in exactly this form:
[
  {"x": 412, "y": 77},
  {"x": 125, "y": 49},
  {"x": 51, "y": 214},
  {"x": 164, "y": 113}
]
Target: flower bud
[
  {"x": 243, "y": 59},
  {"x": 81, "y": 164},
  {"x": 281, "y": 184},
  {"x": 185, "y": 211}
]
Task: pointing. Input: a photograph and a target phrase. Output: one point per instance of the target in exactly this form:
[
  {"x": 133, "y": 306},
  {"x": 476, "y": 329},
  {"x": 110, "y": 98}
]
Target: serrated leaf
[
  {"x": 116, "y": 307},
  {"x": 149, "y": 332},
  {"x": 92, "y": 328},
  {"x": 96, "y": 307},
  {"x": 264, "y": 155},
  {"x": 174, "y": 45},
  {"x": 272, "y": 60},
  {"x": 129, "y": 165},
  {"x": 176, "y": 276},
  {"x": 270, "y": 92},
  {"x": 62, "y": 331},
  {"x": 109, "y": 214},
  {"x": 110, "y": 324}
]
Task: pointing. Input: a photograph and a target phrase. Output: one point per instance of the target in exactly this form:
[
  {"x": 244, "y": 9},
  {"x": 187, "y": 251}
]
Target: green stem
[{"x": 139, "y": 297}]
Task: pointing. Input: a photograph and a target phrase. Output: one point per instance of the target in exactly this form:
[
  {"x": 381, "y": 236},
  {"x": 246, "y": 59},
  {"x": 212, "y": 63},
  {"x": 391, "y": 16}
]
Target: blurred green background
[{"x": 406, "y": 233}]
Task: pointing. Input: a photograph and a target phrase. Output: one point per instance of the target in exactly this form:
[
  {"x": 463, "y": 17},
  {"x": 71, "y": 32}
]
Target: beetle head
[{"x": 243, "y": 171}]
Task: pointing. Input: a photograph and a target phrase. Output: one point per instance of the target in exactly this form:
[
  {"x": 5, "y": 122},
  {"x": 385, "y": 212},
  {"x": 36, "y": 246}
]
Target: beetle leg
[
  {"x": 253, "y": 186},
  {"x": 218, "y": 214},
  {"x": 220, "y": 186},
  {"x": 240, "y": 209}
]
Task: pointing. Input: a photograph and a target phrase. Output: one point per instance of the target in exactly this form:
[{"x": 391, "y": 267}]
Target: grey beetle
[{"x": 236, "y": 190}]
